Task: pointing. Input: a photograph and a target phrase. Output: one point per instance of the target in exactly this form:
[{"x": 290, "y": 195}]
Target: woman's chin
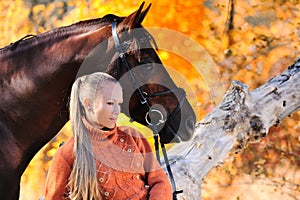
[{"x": 111, "y": 126}]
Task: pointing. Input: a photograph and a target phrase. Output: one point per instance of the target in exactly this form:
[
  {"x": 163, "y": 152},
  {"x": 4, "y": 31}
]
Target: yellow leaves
[
  {"x": 280, "y": 28},
  {"x": 51, "y": 152},
  {"x": 225, "y": 42},
  {"x": 14, "y": 23},
  {"x": 38, "y": 8},
  {"x": 264, "y": 41},
  {"x": 163, "y": 55}
]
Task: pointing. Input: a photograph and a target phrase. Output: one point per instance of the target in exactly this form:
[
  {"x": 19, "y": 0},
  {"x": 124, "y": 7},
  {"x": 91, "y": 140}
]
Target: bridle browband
[{"x": 143, "y": 96}]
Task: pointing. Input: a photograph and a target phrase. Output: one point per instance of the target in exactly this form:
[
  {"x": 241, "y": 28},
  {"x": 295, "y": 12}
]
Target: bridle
[
  {"x": 142, "y": 95},
  {"x": 143, "y": 98}
]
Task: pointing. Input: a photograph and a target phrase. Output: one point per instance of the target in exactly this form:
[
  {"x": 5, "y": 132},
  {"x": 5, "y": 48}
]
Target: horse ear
[
  {"x": 136, "y": 18},
  {"x": 143, "y": 14}
]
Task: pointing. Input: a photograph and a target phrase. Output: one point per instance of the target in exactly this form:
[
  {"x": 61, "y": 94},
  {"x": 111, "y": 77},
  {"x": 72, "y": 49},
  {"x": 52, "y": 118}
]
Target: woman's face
[{"x": 107, "y": 106}]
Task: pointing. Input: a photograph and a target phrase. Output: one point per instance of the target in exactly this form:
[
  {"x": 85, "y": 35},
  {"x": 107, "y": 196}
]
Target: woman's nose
[{"x": 117, "y": 109}]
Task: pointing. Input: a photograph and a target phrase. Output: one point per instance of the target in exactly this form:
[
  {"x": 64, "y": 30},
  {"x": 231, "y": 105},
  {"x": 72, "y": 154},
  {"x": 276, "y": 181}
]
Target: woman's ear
[{"x": 87, "y": 104}]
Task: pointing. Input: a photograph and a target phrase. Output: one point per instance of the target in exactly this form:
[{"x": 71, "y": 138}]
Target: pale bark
[{"x": 241, "y": 118}]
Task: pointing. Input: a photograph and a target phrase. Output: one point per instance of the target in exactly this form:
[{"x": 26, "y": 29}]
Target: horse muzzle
[{"x": 172, "y": 129}]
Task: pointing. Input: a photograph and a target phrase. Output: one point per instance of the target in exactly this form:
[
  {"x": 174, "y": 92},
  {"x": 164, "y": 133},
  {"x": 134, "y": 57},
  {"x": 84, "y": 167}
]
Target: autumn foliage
[{"x": 249, "y": 41}]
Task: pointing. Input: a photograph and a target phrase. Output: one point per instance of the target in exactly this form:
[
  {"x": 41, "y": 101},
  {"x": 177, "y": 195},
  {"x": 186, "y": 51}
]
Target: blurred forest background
[{"x": 247, "y": 40}]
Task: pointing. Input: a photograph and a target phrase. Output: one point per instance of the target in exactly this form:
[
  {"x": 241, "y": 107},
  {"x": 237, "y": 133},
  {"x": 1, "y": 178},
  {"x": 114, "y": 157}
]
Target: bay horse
[{"x": 37, "y": 73}]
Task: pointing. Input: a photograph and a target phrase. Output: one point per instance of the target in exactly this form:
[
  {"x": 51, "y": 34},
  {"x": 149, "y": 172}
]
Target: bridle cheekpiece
[{"x": 143, "y": 96}]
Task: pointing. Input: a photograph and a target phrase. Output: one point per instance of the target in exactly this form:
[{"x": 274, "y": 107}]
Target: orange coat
[{"x": 126, "y": 167}]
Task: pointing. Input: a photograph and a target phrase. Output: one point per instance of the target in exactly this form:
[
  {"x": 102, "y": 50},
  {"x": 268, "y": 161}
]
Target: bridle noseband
[{"x": 143, "y": 98}]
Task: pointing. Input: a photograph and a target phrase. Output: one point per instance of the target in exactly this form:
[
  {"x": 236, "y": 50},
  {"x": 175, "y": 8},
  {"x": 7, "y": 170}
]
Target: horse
[{"x": 37, "y": 73}]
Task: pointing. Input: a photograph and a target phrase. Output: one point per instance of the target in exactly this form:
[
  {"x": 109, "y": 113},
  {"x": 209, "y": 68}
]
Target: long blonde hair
[{"x": 83, "y": 184}]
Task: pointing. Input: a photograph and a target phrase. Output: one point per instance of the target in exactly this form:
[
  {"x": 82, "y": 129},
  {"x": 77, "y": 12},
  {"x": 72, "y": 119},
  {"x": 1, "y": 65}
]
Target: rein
[{"x": 143, "y": 96}]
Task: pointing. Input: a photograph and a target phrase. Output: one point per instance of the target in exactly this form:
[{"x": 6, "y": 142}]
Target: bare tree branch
[{"x": 241, "y": 118}]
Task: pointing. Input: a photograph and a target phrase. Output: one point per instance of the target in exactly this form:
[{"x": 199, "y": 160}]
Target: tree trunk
[{"x": 241, "y": 118}]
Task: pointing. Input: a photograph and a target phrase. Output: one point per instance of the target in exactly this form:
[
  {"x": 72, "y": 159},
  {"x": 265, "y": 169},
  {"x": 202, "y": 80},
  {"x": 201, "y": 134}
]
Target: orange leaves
[{"x": 202, "y": 55}]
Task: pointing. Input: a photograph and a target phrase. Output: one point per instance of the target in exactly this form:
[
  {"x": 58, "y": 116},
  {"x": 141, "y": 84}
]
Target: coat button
[
  {"x": 129, "y": 150},
  {"x": 121, "y": 139},
  {"x": 101, "y": 180},
  {"x": 137, "y": 176},
  {"x": 106, "y": 194}
]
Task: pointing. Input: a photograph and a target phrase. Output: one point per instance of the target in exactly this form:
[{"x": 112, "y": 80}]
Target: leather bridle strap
[
  {"x": 170, "y": 173},
  {"x": 120, "y": 48}
]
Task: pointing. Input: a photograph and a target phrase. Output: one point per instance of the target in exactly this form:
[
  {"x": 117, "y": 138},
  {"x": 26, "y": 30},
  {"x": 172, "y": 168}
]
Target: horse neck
[
  {"x": 53, "y": 49},
  {"x": 35, "y": 83}
]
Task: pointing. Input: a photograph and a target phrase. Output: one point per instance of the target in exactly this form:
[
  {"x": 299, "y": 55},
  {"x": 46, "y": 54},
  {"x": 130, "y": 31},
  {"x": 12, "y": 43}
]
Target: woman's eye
[{"x": 110, "y": 103}]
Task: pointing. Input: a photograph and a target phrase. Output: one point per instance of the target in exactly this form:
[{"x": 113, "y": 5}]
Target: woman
[{"x": 101, "y": 160}]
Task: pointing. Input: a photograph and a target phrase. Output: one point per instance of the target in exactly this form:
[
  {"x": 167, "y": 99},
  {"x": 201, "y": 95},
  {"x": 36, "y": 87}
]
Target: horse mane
[{"x": 64, "y": 31}]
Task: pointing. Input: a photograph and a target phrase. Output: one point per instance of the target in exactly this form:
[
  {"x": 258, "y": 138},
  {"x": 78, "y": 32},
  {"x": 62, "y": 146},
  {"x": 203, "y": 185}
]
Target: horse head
[{"x": 151, "y": 97}]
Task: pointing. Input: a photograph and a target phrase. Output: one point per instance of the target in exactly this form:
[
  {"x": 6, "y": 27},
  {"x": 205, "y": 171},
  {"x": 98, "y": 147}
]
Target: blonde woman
[{"x": 101, "y": 160}]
